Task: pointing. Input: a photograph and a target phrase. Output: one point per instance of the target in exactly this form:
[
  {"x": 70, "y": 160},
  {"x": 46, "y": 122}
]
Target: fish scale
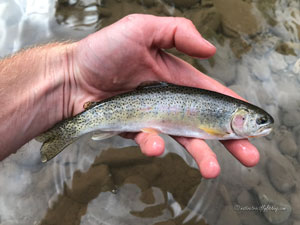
[{"x": 171, "y": 109}]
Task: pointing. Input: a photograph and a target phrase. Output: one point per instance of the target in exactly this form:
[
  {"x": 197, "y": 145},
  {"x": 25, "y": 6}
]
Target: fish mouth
[{"x": 265, "y": 130}]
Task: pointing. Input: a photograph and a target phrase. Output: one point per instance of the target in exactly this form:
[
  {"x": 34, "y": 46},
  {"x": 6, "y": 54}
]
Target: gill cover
[{"x": 239, "y": 121}]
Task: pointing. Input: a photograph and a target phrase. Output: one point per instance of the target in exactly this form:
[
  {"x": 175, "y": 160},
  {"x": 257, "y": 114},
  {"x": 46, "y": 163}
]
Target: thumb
[{"x": 169, "y": 32}]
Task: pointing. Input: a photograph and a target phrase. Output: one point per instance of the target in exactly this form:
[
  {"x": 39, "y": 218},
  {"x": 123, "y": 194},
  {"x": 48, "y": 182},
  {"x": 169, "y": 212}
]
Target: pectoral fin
[
  {"x": 53, "y": 146},
  {"x": 213, "y": 132},
  {"x": 99, "y": 135}
]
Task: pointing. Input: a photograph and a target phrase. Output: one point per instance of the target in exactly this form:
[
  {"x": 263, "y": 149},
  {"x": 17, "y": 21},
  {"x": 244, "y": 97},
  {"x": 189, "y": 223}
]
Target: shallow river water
[{"x": 111, "y": 182}]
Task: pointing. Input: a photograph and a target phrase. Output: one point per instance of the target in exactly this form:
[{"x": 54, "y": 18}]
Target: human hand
[{"x": 120, "y": 57}]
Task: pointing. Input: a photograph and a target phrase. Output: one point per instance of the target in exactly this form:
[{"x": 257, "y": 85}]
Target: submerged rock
[
  {"x": 148, "y": 3},
  {"x": 288, "y": 146},
  {"x": 250, "y": 218},
  {"x": 295, "y": 203},
  {"x": 182, "y": 4},
  {"x": 277, "y": 62},
  {"x": 286, "y": 141},
  {"x": 245, "y": 199},
  {"x": 207, "y": 3},
  {"x": 260, "y": 70},
  {"x": 228, "y": 216},
  {"x": 274, "y": 206},
  {"x": 285, "y": 49},
  {"x": 281, "y": 175},
  {"x": 207, "y": 20},
  {"x": 291, "y": 118},
  {"x": 238, "y": 21},
  {"x": 296, "y": 68}
]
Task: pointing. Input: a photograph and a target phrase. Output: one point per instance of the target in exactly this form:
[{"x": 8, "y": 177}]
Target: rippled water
[{"x": 258, "y": 57}]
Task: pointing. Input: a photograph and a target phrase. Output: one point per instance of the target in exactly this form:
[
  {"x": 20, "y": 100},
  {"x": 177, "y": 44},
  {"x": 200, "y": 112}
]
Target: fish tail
[
  {"x": 53, "y": 146},
  {"x": 50, "y": 134}
]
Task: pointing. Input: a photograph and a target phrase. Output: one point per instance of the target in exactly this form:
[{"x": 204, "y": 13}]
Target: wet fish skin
[{"x": 170, "y": 109}]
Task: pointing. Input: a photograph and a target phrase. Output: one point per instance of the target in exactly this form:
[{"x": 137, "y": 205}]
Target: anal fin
[{"x": 101, "y": 135}]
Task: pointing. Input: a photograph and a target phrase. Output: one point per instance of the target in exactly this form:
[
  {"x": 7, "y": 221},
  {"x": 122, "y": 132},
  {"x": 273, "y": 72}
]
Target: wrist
[
  {"x": 32, "y": 93},
  {"x": 59, "y": 82}
]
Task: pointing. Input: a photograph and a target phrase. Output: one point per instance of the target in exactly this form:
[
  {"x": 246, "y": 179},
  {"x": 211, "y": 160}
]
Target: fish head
[{"x": 251, "y": 122}]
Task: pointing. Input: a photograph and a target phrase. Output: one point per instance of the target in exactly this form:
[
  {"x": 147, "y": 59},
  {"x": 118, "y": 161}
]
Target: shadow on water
[{"x": 115, "y": 168}]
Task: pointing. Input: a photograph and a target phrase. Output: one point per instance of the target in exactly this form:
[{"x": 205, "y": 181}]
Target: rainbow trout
[{"x": 165, "y": 108}]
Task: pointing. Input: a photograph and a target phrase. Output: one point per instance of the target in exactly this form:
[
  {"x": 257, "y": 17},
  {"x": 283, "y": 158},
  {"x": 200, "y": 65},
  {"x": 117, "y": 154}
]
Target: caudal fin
[{"x": 53, "y": 146}]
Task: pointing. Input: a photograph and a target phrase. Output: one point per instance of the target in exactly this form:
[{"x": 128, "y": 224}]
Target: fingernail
[{"x": 208, "y": 43}]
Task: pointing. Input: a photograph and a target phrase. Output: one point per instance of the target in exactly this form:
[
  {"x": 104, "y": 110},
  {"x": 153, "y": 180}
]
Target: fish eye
[{"x": 262, "y": 120}]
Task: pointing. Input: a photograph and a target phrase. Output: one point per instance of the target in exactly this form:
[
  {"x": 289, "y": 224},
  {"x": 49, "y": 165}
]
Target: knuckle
[{"x": 185, "y": 21}]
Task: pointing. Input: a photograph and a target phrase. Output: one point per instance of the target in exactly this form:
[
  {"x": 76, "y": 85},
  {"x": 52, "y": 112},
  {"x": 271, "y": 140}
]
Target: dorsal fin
[{"x": 88, "y": 105}]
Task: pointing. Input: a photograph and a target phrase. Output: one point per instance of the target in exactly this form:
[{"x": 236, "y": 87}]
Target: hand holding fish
[
  {"x": 44, "y": 85},
  {"x": 120, "y": 57}
]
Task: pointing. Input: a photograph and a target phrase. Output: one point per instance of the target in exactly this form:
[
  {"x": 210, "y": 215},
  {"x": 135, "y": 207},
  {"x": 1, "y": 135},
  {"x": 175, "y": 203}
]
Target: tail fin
[{"x": 53, "y": 146}]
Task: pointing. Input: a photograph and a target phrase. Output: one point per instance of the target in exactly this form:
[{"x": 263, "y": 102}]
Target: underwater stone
[
  {"x": 295, "y": 203},
  {"x": 296, "y": 132},
  {"x": 252, "y": 217},
  {"x": 148, "y": 3},
  {"x": 207, "y": 3},
  {"x": 290, "y": 59},
  {"x": 238, "y": 89},
  {"x": 228, "y": 76},
  {"x": 285, "y": 49},
  {"x": 228, "y": 216},
  {"x": 245, "y": 199},
  {"x": 294, "y": 162},
  {"x": 165, "y": 223},
  {"x": 296, "y": 68},
  {"x": 238, "y": 21},
  {"x": 288, "y": 146},
  {"x": 281, "y": 175},
  {"x": 260, "y": 70},
  {"x": 206, "y": 20},
  {"x": 277, "y": 62},
  {"x": 291, "y": 118},
  {"x": 251, "y": 178},
  {"x": 274, "y": 206},
  {"x": 182, "y": 4}
]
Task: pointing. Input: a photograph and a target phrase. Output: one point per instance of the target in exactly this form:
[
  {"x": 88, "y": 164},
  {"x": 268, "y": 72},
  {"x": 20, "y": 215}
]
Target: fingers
[
  {"x": 151, "y": 144},
  {"x": 169, "y": 32},
  {"x": 243, "y": 151},
  {"x": 203, "y": 155}
]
